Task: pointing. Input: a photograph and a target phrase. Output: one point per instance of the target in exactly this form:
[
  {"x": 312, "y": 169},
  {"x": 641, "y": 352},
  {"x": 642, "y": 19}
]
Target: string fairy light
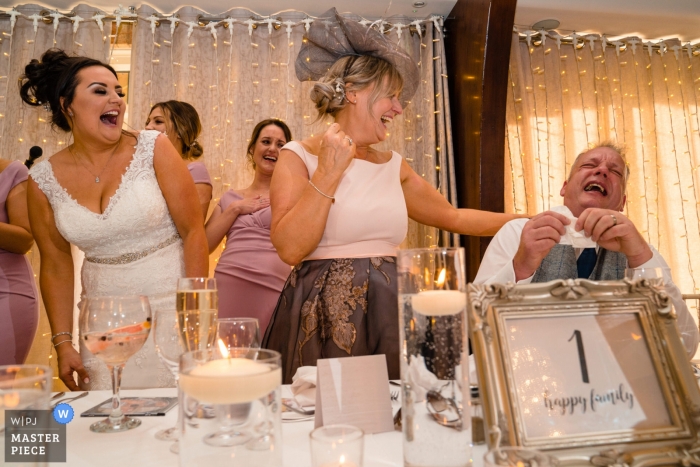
[
  {"x": 633, "y": 44},
  {"x": 517, "y": 100},
  {"x": 531, "y": 91},
  {"x": 611, "y": 90},
  {"x": 662, "y": 51},
  {"x": 13, "y": 20}
]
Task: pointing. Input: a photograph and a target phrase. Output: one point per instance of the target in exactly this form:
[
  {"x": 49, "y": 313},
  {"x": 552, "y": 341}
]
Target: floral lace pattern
[
  {"x": 329, "y": 312},
  {"x": 136, "y": 219}
]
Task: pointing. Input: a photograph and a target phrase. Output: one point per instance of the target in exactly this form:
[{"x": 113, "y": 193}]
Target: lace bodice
[{"x": 136, "y": 217}]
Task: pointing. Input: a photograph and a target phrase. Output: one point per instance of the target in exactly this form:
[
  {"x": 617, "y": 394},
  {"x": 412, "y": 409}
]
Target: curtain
[
  {"x": 237, "y": 73},
  {"x": 570, "y": 92}
]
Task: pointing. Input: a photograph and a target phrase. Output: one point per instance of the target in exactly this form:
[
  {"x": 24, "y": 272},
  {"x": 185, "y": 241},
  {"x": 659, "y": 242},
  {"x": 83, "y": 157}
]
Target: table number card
[
  {"x": 354, "y": 391},
  {"x": 585, "y": 369}
]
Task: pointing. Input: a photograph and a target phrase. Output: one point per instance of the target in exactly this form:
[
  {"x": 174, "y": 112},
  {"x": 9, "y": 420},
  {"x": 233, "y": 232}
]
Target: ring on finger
[
  {"x": 349, "y": 140},
  {"x": 614, "y": 219}
]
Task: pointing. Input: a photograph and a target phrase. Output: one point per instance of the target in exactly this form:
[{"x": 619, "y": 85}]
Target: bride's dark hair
[{"x": 45, "y": 81}]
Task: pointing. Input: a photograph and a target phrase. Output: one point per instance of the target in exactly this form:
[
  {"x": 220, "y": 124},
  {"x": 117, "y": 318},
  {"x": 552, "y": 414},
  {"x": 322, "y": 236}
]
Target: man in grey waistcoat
[{"x": 529, "y": 250}]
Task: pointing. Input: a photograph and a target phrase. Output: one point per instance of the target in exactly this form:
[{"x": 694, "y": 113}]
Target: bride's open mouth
[{"x": 110, "y": 118}]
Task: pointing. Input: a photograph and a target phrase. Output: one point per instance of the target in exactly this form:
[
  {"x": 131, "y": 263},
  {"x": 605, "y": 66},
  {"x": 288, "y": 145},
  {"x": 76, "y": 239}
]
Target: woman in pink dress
[
  {"x": 250, "y": 275},
  {"x": 19, "y": 307},
  {"x": 179, "y": 121}
]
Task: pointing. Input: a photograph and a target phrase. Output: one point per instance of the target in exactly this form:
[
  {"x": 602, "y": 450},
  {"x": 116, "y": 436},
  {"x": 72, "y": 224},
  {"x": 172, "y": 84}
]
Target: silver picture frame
[{"x": 636, "y": 320}]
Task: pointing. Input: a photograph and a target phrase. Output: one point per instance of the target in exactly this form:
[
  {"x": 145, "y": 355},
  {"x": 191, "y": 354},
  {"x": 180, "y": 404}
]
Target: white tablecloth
[{"x": 138, "y": 447}]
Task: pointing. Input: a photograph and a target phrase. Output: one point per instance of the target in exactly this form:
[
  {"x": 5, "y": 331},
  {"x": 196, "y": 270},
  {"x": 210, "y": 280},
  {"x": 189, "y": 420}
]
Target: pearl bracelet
[
  {"x": 332, "y": 198},
  {"x": 62, "y": 342}
]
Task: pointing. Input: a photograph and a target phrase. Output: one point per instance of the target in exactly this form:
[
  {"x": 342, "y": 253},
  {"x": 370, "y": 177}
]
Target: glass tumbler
[
  {"x": 337, "y": 446},
  {"x": 434, "y": 367}
]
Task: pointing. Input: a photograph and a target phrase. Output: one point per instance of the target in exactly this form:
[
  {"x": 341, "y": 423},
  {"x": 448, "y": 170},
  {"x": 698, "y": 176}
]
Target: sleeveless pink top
[
  {"x": 369, "y": 216},
  {"x": 19, "y": 305},
  {"x": 199, "y": 172}
]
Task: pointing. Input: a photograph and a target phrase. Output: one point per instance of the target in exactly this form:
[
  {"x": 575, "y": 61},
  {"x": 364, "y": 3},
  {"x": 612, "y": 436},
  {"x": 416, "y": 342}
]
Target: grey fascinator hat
[{"x": 331, "y": 37}]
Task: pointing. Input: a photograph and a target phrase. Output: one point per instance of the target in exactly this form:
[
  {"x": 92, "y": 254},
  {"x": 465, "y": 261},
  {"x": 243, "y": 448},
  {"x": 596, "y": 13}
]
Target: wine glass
[
  {"x": 239, "y": 333},
  {"x": 166, "y": 336},
  {"x": 114, "y": 329},
  {"x": 197, "y": 305},
  {"x": 236, "y": 337},
  {"x": 648, "y": 273}
]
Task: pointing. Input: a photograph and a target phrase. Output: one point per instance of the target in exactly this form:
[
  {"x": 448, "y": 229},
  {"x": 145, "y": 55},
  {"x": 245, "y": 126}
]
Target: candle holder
[
  {"x": 337, "y": 446},
  {"x": 434, "y": 367},
  {"x": 245, "y": 388}
]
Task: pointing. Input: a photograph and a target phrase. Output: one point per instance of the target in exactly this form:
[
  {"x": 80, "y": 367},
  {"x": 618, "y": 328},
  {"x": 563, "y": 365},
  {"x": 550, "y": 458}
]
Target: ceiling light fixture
[
  {"x": 419, "y": 4},
  {"x": 546, "y": 24}
]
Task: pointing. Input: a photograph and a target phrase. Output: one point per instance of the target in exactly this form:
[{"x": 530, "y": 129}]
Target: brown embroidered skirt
[{"x": 333, "y": 308}]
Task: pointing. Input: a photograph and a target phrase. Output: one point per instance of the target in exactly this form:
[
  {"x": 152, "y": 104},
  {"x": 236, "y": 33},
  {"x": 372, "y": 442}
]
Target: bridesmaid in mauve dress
[
  {"x": 250, "y": 275},
  {"x": 179, "y": 121},
  {"x": 19, "y": 306}
]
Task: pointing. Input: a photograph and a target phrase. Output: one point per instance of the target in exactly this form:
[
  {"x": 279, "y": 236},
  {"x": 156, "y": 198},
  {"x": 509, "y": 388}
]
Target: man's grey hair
[{"x": 618, "y": 148}]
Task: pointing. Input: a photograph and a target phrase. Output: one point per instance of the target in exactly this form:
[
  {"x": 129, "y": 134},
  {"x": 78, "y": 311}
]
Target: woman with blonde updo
[
  {"x": 179, "y": 121},
  {"x": 250, "y": 275},
  {"x": 340, "y": 207}
]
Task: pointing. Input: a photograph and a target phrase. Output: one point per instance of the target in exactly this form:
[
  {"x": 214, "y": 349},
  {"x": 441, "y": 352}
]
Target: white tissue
[
  {"x": 304, "y": 386},
  {"x": 420, "y": 379},
  {"x": 577, "y": 239}
]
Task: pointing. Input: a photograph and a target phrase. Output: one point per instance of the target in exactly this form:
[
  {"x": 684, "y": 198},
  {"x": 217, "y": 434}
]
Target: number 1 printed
[{"x": 581, "y": 355}]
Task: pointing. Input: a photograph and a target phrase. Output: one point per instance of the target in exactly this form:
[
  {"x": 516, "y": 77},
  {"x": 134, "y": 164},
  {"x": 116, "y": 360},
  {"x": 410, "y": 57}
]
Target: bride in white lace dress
[{"x": 124, "y": 199}]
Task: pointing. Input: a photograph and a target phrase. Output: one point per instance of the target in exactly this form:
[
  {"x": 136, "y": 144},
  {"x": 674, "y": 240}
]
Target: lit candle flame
[
  {"x": 224, "y": 351},
  {"x": 342, "y": 459},
  {"x": 440, "y": 282}
]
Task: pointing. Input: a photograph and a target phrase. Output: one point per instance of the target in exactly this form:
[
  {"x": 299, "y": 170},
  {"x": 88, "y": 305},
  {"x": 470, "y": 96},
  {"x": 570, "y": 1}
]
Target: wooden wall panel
[{"x": 478, "y": 52}]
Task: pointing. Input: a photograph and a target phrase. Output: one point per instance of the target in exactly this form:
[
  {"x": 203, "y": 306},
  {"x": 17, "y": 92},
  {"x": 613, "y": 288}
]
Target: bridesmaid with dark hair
[
  {"x": 180, "y": 122},
  {"x": 250, "y": 275},
  {"x": 19, "y": 307}
]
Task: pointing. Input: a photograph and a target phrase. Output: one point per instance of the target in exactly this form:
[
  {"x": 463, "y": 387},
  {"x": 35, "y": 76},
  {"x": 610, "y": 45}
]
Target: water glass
[
  {"x": 239, "y": 333},
  {"x": 24, "y": 387},
  {"x": 518, "y": 457},
  {"x": 434, "y": 367},
  {"x": 166, "y": 337},
  {"x": 648, "y": 273},
  {"x": 337, "y": 446},
  {"x": 235, "y": 335},
  {"x": 246, "y": 388}
]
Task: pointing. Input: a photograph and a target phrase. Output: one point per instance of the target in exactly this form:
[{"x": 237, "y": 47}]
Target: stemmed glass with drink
[
  {"x": 114, "y": 329},
  {"x": 197, "y": 305}
]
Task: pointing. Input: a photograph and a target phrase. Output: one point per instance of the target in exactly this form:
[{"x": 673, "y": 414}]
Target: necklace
[{"x": 97, "y": 177}]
